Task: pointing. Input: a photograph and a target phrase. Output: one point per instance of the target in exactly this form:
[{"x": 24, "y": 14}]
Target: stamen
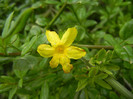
[{"x": 60, "y": 49}]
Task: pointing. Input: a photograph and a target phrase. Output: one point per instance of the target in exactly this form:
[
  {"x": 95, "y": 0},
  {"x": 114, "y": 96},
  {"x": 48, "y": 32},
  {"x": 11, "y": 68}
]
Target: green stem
[
  {"x": 56, "y": 16},
  {"x": 86, "y": 94},
  {"x": 120, "y": 88},
  {"x": 95, "y": 46}
]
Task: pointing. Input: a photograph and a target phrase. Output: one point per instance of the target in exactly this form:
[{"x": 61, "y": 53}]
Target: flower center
[{"x": 60, "y": 49}]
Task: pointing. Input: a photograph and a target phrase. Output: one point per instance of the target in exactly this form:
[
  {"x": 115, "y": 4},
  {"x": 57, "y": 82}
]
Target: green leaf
[
  {"x": 91, "y": 82},
  {"x": 12, "y": 92},
  {"x": 4, "y": 59},
  {"x": 32, "y": 60},
  {"x": 41, "y": 39},
  {"x": 7, "y": 79},
  {"x": 52, "y": 2},
  {"x": 93, "y": 71},
  {"x": 44, "y": 91},
  {"x": 15, "y": 40},
  {"x": 121, "y": 52},
  {"x": 113, "y": 67},
  {"x": 82, "y": 84},
  {"x": 20, "y": 67},
  {"x": 92, "y": 61},
  {"x": 89, "y": 23},
  {"x": 4, "y": 87},
  {"x": 101, "y": 76},
  {"x": 119, "y": 88},
  {"x": 124, "y": 53},
  {"x": 109, "y": 38},
  {"x": 20, "y": 22},
  {"x": 128, "y": 65},
  {"x": 42, "y": 63},
  {"x": 7, "y": 25},
  {"x": 28, "y": 46},
  {"x": 37, "y": 5},
  {"x": 129, "y": 51},
  {"x": 127, "y": 30},
  {"x": 101, "y": 55},
  {"x": 129, "y": 40},
  {"x": 20, "y": 83},
  {"x": 106, "y": 71},
  {"x": 103, "y": 84},
  {"x": 81, "y": 33},
  {"x": 22, "y": 64},
  {"x": 42, "y": 21},
  {"x": 81, "y": 12},
  {"x": 109, "y": 55},
  {"x": 35, "y": 30},
  {"x": 113, "y": 95}
]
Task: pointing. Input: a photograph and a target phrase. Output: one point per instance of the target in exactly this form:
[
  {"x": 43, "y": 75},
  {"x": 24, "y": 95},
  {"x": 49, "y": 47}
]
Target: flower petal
[
  {"x": 45, "y": 50},
  {"x": 67, "y": 68},
  {"x": 52, "y": 37},
  {"x": 54, "y": 61},
  {"x": 75, "y": 52},
  {"x": 65, "y": 62},
  {"x": 69, "y": 36},
  {"x": 64, "y": 59}
]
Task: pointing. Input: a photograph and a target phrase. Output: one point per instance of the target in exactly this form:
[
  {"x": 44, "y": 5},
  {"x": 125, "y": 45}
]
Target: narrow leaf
[
  {"x": 101, "y": 76},
  {"x": 29, "y": 46},
  {"x": 7, "y": 25},
  {"x": 4, "y": 87},
  {"x": 119, "y": 88},
  {"x": 109, "y": 55},
  {"x": 103, "y": 84},
  {"x": 20, "y": 22},
  {"x": 12, "y": 92},
  {"x": 82, "y": 84},
  {"x": 44, "y": 91},
  {"x": 113, "y": 67},
  {"x": 7, "y": 79},
  {"x": 20, "y": 83}
]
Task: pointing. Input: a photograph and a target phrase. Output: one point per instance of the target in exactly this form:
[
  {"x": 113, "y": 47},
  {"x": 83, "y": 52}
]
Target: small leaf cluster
[{"x": 101, "y": 68}]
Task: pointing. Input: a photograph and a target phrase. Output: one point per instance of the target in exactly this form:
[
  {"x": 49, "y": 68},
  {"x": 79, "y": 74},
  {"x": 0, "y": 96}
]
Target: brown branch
[
  {"x": 79, "y": 45},
  {"x": 11, "y": 54},
  {"x": 95, "y": 46}
]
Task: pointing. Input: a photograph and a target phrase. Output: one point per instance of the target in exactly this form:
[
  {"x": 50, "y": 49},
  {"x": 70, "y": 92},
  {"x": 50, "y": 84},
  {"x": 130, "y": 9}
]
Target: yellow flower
[{"x": 61, "y": 50}]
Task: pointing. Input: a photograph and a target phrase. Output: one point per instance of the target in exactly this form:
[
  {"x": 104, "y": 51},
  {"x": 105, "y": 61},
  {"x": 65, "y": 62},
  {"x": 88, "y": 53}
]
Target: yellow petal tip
[{"x": 67, "y": 68}]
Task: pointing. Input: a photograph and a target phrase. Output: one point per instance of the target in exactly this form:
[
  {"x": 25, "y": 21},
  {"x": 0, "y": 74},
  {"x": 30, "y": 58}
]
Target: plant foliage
[{"x": 24, "y": 74}]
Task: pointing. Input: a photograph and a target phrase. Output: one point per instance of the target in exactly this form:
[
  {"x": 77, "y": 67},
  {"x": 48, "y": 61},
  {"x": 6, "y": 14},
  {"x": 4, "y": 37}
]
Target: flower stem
[
  {"x": 120, "y": 88},
  {"x": 95, "y": 46},
  {"x": 56, "y": 16}
]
